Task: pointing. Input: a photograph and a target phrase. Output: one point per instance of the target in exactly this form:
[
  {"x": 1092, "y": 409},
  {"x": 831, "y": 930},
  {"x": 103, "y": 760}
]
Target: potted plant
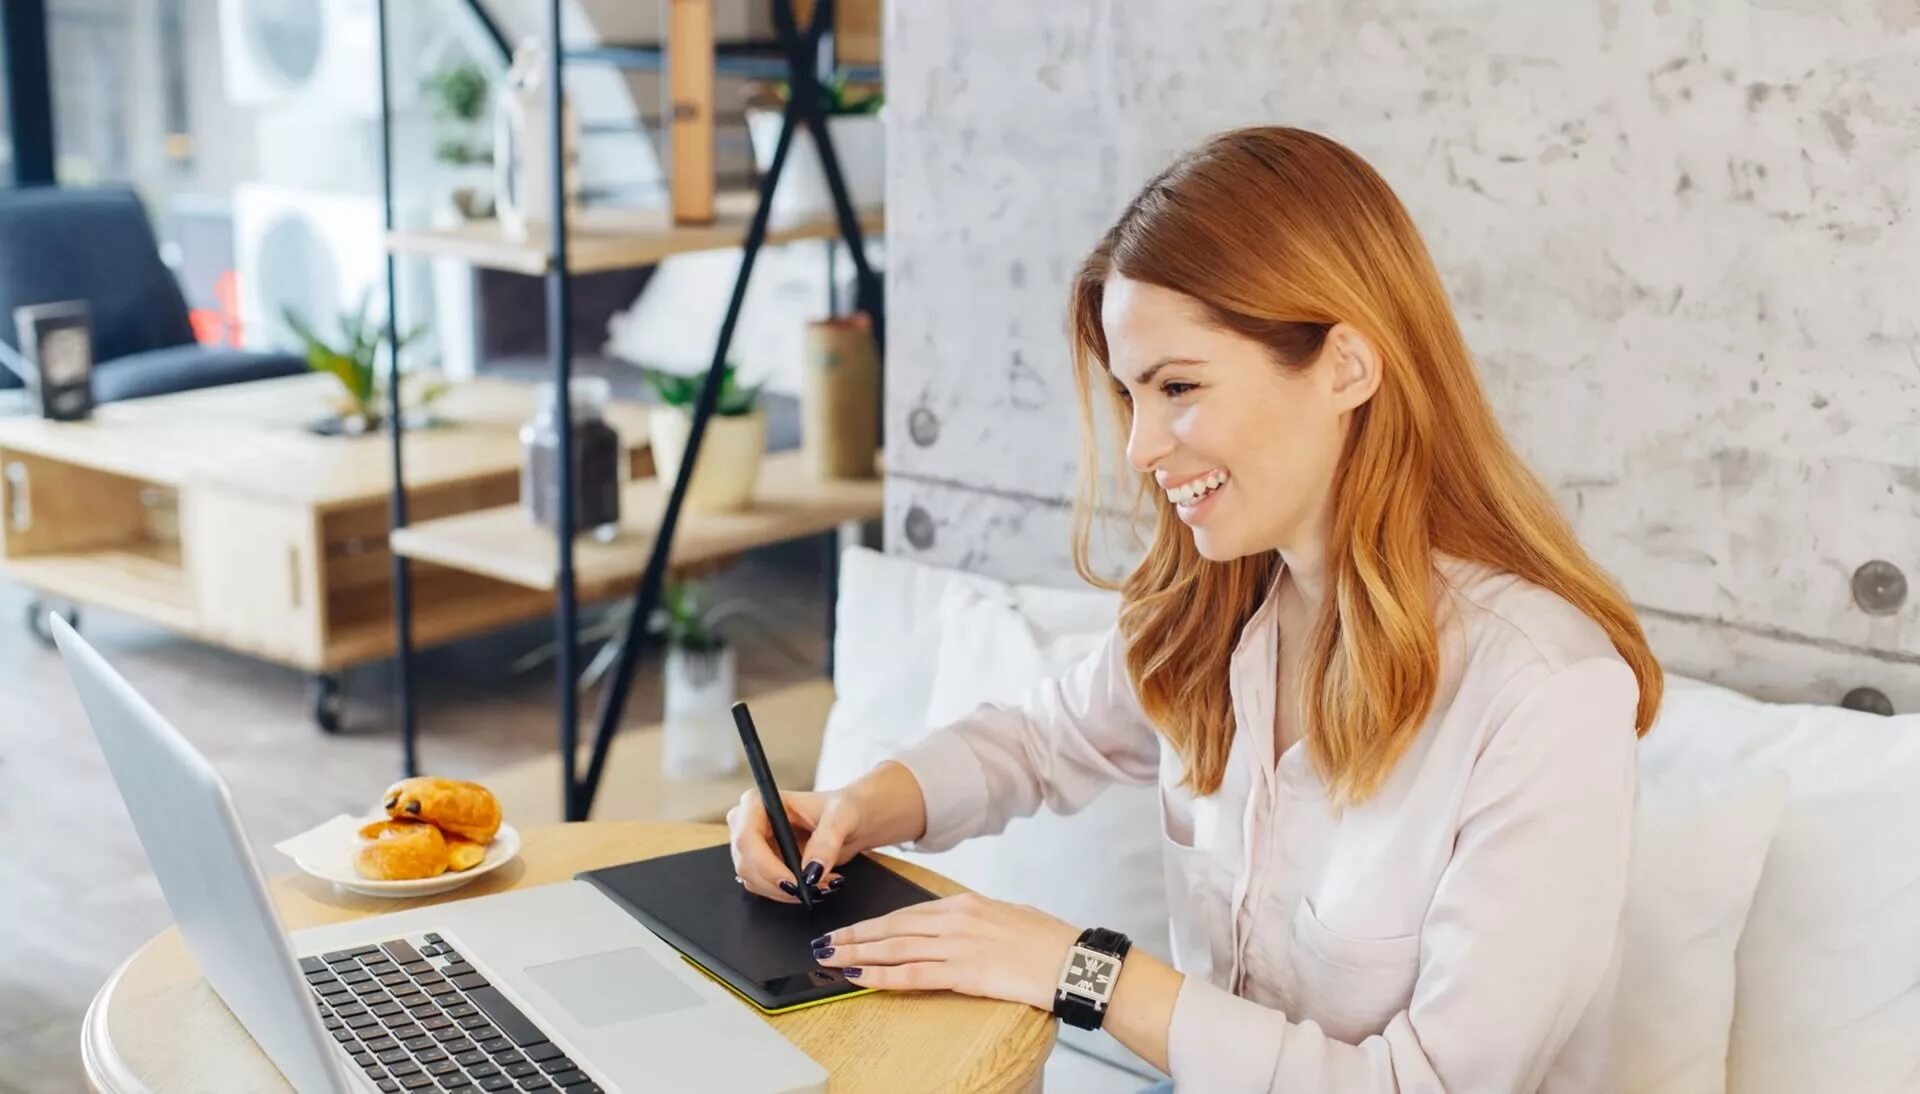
[
  {"x": 354, "y": 361},
  {"x": 728, "y": 469},
  {"x": 859, "y": 141},
  {"x": 697, "y": 738},
  {"x": 460, "y": 95}
]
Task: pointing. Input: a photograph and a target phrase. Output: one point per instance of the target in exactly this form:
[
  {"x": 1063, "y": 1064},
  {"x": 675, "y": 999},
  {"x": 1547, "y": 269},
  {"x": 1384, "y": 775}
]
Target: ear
[{"x": 1353, "y": 364}]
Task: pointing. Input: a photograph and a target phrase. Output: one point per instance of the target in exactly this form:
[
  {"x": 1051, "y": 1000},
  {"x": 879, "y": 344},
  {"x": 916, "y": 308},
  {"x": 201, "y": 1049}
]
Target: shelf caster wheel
[
  {"x": 328, "y": 692},
  {"x": 38, "y": 626}
]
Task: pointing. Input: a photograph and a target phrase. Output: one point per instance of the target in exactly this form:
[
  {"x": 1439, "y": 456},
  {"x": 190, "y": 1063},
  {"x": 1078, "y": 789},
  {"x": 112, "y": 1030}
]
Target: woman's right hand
[{"x": 826, "y": 824}]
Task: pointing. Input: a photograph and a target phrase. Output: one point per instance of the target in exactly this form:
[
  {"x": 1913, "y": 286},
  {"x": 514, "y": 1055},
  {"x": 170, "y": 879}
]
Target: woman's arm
[
  {"x": 1518, "y": 942},
  {"x": 1075, "y": 735}
]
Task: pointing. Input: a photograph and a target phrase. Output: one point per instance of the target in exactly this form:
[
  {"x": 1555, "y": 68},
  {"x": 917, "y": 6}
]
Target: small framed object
[{"x": 55, "y": 339}]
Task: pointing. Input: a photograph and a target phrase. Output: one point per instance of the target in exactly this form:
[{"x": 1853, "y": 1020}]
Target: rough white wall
[{"x": 1681, "y": 235}]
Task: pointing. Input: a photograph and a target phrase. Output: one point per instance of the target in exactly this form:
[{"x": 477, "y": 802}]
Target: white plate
[{"x": 327, "y": 853}]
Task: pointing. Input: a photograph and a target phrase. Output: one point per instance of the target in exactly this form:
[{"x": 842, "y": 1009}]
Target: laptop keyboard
[{"x": 415, "y": 1016}]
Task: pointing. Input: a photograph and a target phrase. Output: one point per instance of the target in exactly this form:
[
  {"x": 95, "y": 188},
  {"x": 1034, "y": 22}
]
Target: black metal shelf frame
[{"x": 799, "y": 62}]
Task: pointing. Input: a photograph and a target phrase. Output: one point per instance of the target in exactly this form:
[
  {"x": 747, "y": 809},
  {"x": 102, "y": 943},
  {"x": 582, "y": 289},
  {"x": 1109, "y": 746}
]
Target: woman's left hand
[{"x": 968, "y": 943}]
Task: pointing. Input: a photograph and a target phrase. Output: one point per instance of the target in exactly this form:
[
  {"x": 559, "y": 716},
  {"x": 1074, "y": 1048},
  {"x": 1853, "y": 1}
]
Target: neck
[{"x": 1307, "y": 571}]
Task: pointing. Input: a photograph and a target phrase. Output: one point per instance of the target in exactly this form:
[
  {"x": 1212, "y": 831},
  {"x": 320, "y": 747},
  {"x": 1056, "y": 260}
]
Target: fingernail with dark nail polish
[
  {"x": 821, "y": 941},
  {"x": 823, "y": 953},
  {"x": 812, "y": 876},
  {"x": 851, "y": 974},
  {"x": 836, "y": 883},
  {"x": 788, "y": 888}
]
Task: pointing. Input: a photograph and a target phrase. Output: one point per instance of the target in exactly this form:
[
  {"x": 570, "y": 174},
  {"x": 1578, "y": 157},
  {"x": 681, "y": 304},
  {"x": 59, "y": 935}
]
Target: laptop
[{"x": 552, "y": 988}]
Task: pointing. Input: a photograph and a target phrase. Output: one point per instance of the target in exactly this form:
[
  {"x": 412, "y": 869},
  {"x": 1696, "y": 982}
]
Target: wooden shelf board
[
  {"x": 142, "y": 579},
  {"x": 612, "y": 239},
  {"x": 506, "y": 545}
]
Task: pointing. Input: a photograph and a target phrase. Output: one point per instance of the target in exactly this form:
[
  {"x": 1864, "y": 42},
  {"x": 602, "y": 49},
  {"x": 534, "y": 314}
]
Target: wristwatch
[{"x": 1087, "y": 977}]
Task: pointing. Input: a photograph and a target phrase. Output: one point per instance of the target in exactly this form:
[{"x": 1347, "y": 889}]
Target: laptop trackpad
[{"x": 617, "y": 986}]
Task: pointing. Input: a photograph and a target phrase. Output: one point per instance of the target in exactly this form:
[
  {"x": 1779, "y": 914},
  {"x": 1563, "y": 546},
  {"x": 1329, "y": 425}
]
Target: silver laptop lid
[{"x": 187, "y": 824}]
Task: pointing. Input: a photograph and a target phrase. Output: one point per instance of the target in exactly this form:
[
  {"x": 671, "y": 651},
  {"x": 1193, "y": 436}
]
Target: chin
[{"x": 1215, "y": 547}]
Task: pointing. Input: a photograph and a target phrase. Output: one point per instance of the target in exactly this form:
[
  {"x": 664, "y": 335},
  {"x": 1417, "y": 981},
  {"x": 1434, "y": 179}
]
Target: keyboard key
[
  {"x": 333, "y": 1023},
  {"x": 396, "y": 979},
  {"x": 436, "y": 1022},
  {"x": 555, "y": 1065},
  {"x": 403, "y": 1068},
  {"x": 451, "y": 1033},
  {"x": 567, "y": 1078},
  {"x": 508, "y": 1058},
  {"x": 401, "y": 951},
  {"x": 424, "y": 1009},
  {"x": 381, "y": 1044},
  {"x": 370, "y": 987},
  {"x": 340, "y": 957},
  {"x": 362, "y": 951},
  {"x": 438, "y": 990},
  {"x": 455, "y": 1081},
  {"x": 349, "y": 1008},
  {"x": 332, "y": 990},
  {"x": 416, "y": 1080},
  {"x": 541, "y": 1050},
  {"x": 363, "y": 1058},
  {"x": 449, "y": 952},
  {"x": 355, "y": 975},
  {"x": 432, "y": 937},
  {"x": 374, "y": 1070},
  {"x": 415, "y": 1044},
  {"x": 471, "y": 1021},
  {"x": 393, "y": 1056},
  {"x": 388, "y": 1086},
  {"x": 507, "y": 1016},
  {"x": 458, "y": 968},
  {"x": 409, "y": 996},
  {"x": 537, "y": 1086},
  {"x": 497, "y": 1046},
  {"x": 523, "y": 1069},
  {"x": 483, "y": 1033},
  {"x": 469, "y": 1059},
  {"x": 469, "y": 982},
  {"x": 378, "y": 965},
  {"x": 362, "y": 1021},
  {"x": 430, "y": 1056},
  {"x": 443, "y": 1067},
  {"x": 483, "y": 1071},
  {"x": 400, "y": 1019},
  {"x": 461, "y": 1011},
  {"x": 457, "y": 1046},
  {"x": 496, "y": 1082},
  {"x": 343, "y": 1035}
]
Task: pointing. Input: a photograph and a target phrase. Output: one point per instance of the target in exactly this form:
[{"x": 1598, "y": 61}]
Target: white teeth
[{"x": 1199, "y": 488}]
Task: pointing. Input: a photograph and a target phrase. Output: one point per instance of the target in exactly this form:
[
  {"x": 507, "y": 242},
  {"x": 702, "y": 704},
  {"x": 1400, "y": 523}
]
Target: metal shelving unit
[{"x": 797, "y": 55}]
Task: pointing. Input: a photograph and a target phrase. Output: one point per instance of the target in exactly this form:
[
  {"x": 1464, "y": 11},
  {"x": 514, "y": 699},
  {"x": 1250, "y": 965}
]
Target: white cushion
[
  {"x": 1697, "y": 854},
  {"x": 938, "y": 644},
  {"x": 1828, "y": 985}
]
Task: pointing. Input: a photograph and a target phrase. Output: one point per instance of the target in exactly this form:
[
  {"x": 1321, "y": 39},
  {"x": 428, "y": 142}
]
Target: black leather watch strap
[{"x": 1074, "y": 1009}]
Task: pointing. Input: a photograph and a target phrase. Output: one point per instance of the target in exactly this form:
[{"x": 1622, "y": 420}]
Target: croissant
[
  {"x": 401, "y": 851},
  {"x": 463, "y": 809}
]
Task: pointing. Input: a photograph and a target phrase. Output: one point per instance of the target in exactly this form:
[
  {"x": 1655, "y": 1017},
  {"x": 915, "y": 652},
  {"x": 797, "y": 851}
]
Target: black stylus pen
[{"x": 770, "y": 797}]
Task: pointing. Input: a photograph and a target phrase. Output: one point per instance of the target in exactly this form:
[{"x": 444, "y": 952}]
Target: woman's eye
[{"x": 1175, "y": 388}]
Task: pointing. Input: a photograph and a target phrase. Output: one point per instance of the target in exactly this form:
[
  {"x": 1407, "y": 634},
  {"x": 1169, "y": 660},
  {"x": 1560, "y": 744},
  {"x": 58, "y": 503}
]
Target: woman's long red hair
[{"x": 1280, "y": 234}]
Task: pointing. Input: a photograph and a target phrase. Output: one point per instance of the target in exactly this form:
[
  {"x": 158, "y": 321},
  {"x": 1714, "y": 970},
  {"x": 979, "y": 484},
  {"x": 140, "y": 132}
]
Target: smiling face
[{"x": 1243, "y": 447}]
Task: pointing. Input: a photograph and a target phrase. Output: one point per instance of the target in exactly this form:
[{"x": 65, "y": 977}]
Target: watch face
[{"x": 1091, "y": 973}]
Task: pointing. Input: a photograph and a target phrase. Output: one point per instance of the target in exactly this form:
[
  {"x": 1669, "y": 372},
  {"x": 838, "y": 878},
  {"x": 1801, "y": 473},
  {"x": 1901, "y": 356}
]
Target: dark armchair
[{"x": 96, "y": 245}]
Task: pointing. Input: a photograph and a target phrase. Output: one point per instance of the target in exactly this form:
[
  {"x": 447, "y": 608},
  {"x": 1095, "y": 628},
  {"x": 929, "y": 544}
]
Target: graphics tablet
[{"x": 762, "y": 949}]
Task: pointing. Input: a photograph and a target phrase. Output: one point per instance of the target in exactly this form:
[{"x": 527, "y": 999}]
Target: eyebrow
[{"x": 1146, "y": 377}]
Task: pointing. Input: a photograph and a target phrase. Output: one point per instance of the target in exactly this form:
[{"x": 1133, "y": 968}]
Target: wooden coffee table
[{"x": 219, "y": 515}]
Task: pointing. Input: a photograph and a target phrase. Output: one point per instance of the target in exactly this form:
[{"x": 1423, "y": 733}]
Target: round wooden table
[{"x": 158, "y": 1025}]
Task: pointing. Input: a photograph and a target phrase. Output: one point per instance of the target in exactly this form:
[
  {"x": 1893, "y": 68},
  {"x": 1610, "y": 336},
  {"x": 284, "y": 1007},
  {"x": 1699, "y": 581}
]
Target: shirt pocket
[
  {"x": 1199, "y": 885},
  {"x": 1351, "y": 986}
]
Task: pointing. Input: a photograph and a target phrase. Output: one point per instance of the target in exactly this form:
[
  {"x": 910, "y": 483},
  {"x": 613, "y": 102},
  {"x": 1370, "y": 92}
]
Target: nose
[{"x": 1149, "y": 441}]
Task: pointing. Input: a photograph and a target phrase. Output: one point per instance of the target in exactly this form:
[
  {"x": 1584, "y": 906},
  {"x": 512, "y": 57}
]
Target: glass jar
[{"x": 596, "y": 461}]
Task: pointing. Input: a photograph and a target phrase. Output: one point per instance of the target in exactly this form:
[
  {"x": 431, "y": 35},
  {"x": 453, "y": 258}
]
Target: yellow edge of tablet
[{"x": 855, "y": 994}]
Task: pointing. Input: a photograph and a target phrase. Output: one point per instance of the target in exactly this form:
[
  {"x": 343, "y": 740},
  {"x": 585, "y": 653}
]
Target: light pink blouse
[{"x": 1459, "y": 931}]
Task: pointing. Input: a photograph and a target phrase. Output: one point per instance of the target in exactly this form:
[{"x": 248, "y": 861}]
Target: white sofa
[{"x": 1773, "y": 927}]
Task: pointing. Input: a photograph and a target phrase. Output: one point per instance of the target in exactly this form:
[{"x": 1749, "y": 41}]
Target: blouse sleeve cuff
[{"x": 954, "y": 786}]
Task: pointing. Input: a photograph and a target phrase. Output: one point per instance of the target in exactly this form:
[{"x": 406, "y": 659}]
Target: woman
[{"x": 1391, "y": 705}]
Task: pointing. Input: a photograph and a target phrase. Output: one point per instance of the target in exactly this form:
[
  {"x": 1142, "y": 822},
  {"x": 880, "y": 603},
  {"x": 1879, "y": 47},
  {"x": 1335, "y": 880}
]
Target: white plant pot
[
  {"x": 802, "y": 195},
  {"x": 730, "y": 456},
  {"x": 699, "y": 740}
]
